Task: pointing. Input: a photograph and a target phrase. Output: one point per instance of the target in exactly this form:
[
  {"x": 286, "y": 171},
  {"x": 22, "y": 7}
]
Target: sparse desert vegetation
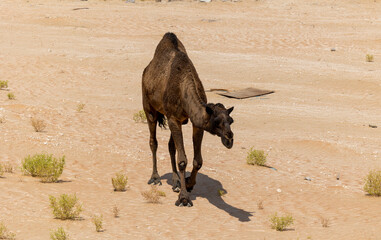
[
  {"x": 3, "y": 84},
  {"x": 256, "y": 157},
  {"x": 66, "y": 206},
  {"x": 11, "y": 96},
  {"x": 260, "y": 204},
  {"x": 115, "y": 211},
  {"x": 80, "y": 107},
  {"x": 7, "y": 167},
  {"x": 43, "y": 166},
  {"x": 140, "y": 116},
  {"x": 38, "y": 124},
  {"x": 281, "y": 223},
  {"x": 153, "y": 195},
  {"x": 1, "y": 170},
  {"x": 221, "y": 192},
  {"x": 119, "y": 182},
  {"x": 5, "y": 233},
  {"x": 98, "y": 222},
  {"x": 59, "y": 234},
  {"x": 373, "y": 183},
  {"x": 369, "y": 58},
  {"x": 324, "y": 222}
]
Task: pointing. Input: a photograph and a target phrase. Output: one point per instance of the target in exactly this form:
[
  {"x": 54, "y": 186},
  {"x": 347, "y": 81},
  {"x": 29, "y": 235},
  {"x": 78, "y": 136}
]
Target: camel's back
[{"x": 169, "y": 68}]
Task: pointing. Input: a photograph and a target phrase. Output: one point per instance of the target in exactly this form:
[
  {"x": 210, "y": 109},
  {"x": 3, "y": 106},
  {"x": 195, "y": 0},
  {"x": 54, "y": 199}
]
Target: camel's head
[{"x": 219, "y": 123}]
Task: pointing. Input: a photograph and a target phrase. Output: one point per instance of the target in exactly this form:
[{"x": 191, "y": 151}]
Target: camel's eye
[{"x": 217, "y": 120}]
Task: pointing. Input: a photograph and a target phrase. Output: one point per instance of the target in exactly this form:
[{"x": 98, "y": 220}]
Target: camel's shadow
[{"x": 208, "y": 188}]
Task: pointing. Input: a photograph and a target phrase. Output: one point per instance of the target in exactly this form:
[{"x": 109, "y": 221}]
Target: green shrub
[
  {"x": 256, "y": 157},
  {"x": 3, "y": 84},
  {"x": 140, "y": 116},
  {"x": 373, "y": 183},
  {"x": 5, "y": 233},
  {"x": 11, "y": 96},
  {"x": 65, "y": 207},
  {"x": 280, "y": 223},
  {"x": 221, "y": 192},
  {"x": 98, "y": 222},
  {"x": 369, "y": 58},
  {"x": 59, "y": 234},
  {"x": 44, "y": 166},
  {"x": 119, "y": 182}
]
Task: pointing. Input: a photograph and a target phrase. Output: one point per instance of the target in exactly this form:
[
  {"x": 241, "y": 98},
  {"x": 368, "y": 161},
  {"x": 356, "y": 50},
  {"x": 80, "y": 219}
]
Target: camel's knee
[
  {"x": 182, "y": 165},
  {"x": 197, "y": 164}
]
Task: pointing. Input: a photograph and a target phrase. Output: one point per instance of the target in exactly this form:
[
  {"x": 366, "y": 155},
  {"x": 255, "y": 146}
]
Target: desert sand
[{"x": 315, "y": 125}]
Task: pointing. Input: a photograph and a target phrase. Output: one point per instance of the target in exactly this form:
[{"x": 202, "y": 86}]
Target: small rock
[
  {"x": 338, "y": 176},
  {"x": 372, "y": 126},
  {"x": 307, "y": 178},
  {"x": 333, "y": 49},
  {"x": 279, "y": 190}
]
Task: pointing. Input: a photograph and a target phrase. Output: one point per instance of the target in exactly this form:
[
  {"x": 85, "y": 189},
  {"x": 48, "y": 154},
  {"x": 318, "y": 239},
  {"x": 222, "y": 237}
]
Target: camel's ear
[
  {"x": 230, "y": 110},
  {"x": 209, "y": 110}
]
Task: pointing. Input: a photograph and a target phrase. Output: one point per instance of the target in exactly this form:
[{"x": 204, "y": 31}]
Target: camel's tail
[{"x": 162, "y": 120}]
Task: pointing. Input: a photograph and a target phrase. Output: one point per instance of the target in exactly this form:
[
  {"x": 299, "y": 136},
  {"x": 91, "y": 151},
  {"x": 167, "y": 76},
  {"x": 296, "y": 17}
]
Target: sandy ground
[{"x": 316, "y": 124}]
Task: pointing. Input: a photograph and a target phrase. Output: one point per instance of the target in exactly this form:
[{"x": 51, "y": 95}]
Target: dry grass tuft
[
  {"x": 256, "y": 157},
  {"x": 38, "y": 124},
  {"x": 7, "y": 167},
  {"x": 3, "y": 84},
  {"x": 115, "y": 211},
  {"x": 98, "y": 222},
  {"x": 140, "y": 116},
  {"x": 260, "y": 204},
  {"x": 5, "y": 233},
  {"x": 59, "y": 234},
  {"x": 80, "y": 107},
  {"x": 65, "y": 207},
  {"x": 373, "y": 183},
  {"x": 44, "y": 166},
  {"x": 153, "y": 195},
  {"x": 119, "y": 182},
  {"x": 369, "y": 58},
  {"x": 281, "y": 223},
  {"x": 324, "y": 222}
]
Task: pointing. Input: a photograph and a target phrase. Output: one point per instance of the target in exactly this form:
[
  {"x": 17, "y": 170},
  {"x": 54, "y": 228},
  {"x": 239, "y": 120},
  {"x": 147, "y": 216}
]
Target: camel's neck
[{"x": 195, "y": 104}]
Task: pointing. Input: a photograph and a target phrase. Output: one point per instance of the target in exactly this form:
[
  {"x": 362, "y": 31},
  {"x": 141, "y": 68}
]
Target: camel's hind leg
[
  {"x": 198, "y": 134},
  {"x": 175, "y": 174},
  {"x": 152, "y": 123}
]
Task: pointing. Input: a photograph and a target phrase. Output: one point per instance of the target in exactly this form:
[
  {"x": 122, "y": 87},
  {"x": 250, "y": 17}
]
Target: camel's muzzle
[{"x": 228, "y": 143}]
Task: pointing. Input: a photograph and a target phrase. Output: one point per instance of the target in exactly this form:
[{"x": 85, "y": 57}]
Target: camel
[{"x": 171, "y": 89}]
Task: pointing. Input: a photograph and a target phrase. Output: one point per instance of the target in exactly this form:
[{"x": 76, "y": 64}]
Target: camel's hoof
[
  {"x": 181, "y": 202},
  {"x": 176, "y": 186},
  {"x": 154, "y": 181}
]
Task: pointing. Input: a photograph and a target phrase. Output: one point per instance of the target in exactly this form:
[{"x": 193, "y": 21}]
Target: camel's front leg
[
  {"x": 177, "y": 135},
  {"x": 198, "y": 134}
]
